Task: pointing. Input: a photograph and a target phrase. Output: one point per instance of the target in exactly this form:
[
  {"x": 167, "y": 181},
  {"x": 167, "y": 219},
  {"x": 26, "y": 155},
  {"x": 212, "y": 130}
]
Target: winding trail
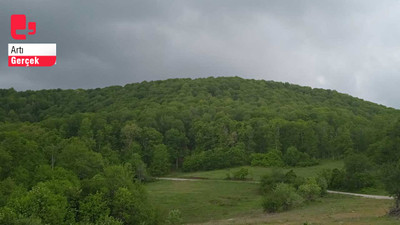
[{"x": 256, "y": 182}]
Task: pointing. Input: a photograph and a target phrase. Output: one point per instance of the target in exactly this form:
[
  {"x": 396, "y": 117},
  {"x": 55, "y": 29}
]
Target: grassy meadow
[
  {"x": 201, "y": 201},
  {"x": 222, "y": 202},
  {"x": 332, "y": 209},
  {"x": 213, "y": 200},
  {"x": 255, "y": 173}
]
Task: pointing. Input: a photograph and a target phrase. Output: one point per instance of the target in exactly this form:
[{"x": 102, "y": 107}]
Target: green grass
[
  {"x": 205, "y": 200},
  {"x": 332, "y": 209},
  {"x": 223, "y": 202},
  {"x": 217, "y": 201},
  {"x": 257, "y": 172}
]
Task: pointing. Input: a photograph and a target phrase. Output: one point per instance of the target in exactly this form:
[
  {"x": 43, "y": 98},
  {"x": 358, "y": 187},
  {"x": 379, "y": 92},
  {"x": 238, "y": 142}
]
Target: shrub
[
  {"x": 290, "y": 177},
  {"x": 323, "y": 184},
  {"x": 358, "y": 181},
  {"x": 271, "y": 159},
  {"x": 337, "y": 180},
  {"x": 241, "y": 174},
  {"x": 270, "y": 180},
  {"x": 358, "y": 170},
  {"x": 310, "y": 190},
  {"x": 283, "y": 197},
  {"x": 356, "y": 175},
  {"x": 217, "y": 158},
  {"x": 174, "y": 217},
  {"x": 109, "y": 220},
  {"x": 326, "y": 174},
  {"x": 228, "y": 175},
  {"x": 294, "y": 157},
  {"x": 194, "y": 162},
  {"x": 308, "y": 162}
]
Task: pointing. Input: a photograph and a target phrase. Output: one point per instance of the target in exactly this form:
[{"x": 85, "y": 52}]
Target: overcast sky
[{"x": 349, "y": 46}]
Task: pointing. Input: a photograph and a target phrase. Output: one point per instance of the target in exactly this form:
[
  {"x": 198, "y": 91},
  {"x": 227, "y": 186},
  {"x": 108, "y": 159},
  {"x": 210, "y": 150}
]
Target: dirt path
[
  {"x": 360, "y": 195},
  {"x": 329, "y": 191}
]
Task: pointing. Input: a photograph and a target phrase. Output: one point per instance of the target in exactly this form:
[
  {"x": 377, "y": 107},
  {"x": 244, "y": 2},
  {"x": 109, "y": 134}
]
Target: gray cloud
[{"x": 350, "y": 46}]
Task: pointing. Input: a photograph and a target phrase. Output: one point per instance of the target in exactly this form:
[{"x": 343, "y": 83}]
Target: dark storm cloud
[{"x": 350, "y": 46}]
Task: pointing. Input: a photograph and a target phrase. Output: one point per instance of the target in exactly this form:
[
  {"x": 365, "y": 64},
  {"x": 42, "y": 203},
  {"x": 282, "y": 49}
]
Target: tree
[
  {"x": 342, "y": 142},
  {"x": 7, "y": 187},
  {"x": 132, "y": 208},
  {"x": 5, "y": 163},
  {"x": 160, "y": 164},
  {"x": 93, "y": 208},
  {"x": 86, "y": 132},
  {"x": 391, "y": 179},
  {"x": 76, "y": 157},
  {"x": 41, "y": 203},
  {"x": 116, "y": 177},
  {"x": 25, "y": 156},
  {"x": 176, "y": 142},
  {"x": 149, "y": 138},
  {"x": 292, "y": 156},
  {"x": 139, "y": 167},
  {"x": 358, "y": 172},
  {"x": 130, "y": 133}
]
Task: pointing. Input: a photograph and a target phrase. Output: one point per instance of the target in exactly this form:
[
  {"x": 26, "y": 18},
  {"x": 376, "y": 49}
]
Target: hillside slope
[
  {"x": 204, "y": 114},
  {"x": 69, "y": 150}
]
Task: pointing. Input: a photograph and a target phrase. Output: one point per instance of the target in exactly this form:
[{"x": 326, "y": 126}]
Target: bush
[
  {"x": 308, "y": 162},
  {"x": 174, "y": 217},
  {"x": 358, "y": 170},
  {"x": 357, "y": 175},
  {"x": 109, "y": 220},
  {"x": 323, "y": 184},
  {"x": 269, "y": 181},
  {"x": 294, "y": 157},
  {"x": 217, "y": 158},
  {"x": 310, "y": 190},
  {"x": 283, "y": 197},
  {"x": 358, "y": 181},
  {"x": 271, "y": 159},
  {"x": 228, "y": 175},
  {"x": 241, "y": 174},
  {"x": 337, "y": 180}
]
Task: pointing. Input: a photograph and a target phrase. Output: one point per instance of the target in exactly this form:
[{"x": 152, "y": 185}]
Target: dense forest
[{"x": 80, "y": 156}]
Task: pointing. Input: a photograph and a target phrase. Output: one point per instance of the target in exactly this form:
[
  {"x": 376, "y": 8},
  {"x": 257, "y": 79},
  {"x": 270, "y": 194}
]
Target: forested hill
[
  {"x": 224, "y": 92},
  {"x": 80, "y": 155},
  {"x": 205, "y": 114}
]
